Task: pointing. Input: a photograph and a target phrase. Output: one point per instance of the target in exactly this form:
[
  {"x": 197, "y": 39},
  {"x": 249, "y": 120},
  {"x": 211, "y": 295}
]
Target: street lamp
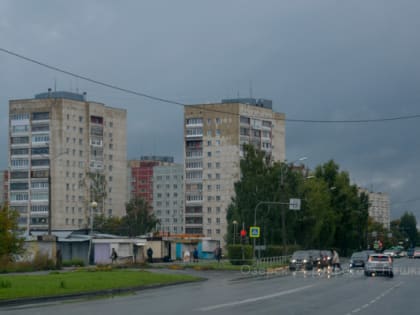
[
  {"x": 93, "y": 206},
  {"x": 235, "y": 223},
  {"x": 283, "y": 213}
]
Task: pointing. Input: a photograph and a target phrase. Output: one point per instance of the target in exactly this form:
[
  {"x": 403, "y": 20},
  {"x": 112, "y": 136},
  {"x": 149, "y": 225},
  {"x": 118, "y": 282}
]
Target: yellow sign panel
[{"x": 254, "y": 231}]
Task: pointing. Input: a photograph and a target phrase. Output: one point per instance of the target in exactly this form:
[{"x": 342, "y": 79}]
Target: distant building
[
  {"x": 140, "y": 176},
  {"x": 214, "y": 135},
  {"x": 379, "y": 207},
  {"x": 168, "y": 197},
  {"x": 81, "y": 144},
  {"x": 4, "y": 187}
]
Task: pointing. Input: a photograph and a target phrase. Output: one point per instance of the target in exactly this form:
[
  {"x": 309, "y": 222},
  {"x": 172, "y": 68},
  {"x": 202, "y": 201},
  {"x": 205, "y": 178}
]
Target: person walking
[
  {"x": 114, "y": 255},
  {"x": 150, "y": 255},
  {"x": 335, "y": 260},
  {"x": 195, "y": 255}
]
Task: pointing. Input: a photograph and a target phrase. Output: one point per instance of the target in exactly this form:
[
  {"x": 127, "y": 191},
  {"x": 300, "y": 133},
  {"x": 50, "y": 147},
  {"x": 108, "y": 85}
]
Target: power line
[{"x": 164, "y": 100}]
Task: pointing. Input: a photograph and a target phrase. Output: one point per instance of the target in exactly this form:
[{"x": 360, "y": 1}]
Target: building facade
[
  {"x": 64, "y": 153},
  {"x": 214, "y": 135},
  {"x": 140, "y": 176},
  {"x": 4, "y": 187},
  {"x": 168, "y": 198},
  {"x": 379, "y": 207}
]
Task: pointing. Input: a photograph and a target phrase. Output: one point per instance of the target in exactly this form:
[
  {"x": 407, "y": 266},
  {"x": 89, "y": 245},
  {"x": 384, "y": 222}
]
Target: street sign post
[
  {"x": 294, "y": 204},
  {"x": 254, "y": 232}
]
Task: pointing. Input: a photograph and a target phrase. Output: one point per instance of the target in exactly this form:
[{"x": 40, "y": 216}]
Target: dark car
[
  {"x": 301, "y": 260},
  {"x": 326, "y": 258},
  {"x": 379, "y": 264},
  {"x": 410, "y": 252},
  {"x": 358, "y": 260},
  {"x": 316, "y": 257}
]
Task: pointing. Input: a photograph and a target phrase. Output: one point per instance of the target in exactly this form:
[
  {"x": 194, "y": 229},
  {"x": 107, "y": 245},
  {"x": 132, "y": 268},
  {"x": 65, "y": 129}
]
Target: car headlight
[
  {"x": 305, "y": 261},
  {"x": 293, "y": 260}
]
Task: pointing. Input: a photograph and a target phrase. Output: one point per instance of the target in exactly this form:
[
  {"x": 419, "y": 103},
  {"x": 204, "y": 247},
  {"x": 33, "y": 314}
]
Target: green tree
[
  {"x": 10, "y": 242},
  {"x": 349, "y": 206},
  {"x": 111, "y": 225},
  {"x": 139, "y": 219}
]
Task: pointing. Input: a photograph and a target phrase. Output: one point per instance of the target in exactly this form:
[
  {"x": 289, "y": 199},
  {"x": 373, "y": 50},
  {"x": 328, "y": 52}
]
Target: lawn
[{"x": 19, "y": 286}]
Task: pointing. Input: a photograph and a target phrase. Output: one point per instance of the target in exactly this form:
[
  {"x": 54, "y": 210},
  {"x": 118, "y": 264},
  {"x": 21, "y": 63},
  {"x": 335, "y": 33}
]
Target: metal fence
[{"x": 272, "y": 261}]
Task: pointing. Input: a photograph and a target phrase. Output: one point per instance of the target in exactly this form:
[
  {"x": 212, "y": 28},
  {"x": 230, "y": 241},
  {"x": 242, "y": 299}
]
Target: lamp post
[
  {"x": 283, "y": 213},
  {"x": 93, "y": 206},
  {"x": 235, "y": 223}
]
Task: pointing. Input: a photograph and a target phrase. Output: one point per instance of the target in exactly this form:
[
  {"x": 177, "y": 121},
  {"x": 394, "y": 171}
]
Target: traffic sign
[
  {"x": 294, "y": 204},
  {"x": 254, "y": 231}
]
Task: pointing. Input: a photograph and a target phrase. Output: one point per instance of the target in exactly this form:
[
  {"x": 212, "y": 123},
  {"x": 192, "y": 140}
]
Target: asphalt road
[{"x": 233, "y": 293}]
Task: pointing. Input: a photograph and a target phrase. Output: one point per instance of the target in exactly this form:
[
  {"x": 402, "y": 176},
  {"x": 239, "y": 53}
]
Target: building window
[
  {"x": 80, "y": 130},
  {"x": 80, "y": 141},
  {"x": 217, "y": 209},
  {"x": 208, "y": 220},
  {"x": 217, "y": 231},
  {"x": 217, "y": 198},
  {"x": 208, "y": 121},
  {"x": 217, "y": 120},
  {"x": 209, "y": 165},
  {"x": 209, "y": 210},
  {"x": 217, "y": 176},
  {"x": 217, "y": 220},
  {"x": 209, "y": 142},
  {"x": 217, "y": 132},
  {"x": 208, "y": 154},
  {"x": 217, "y": 164},
  {"x": 110, "y": 178},
  {"x": 111, "y": 146},
  {"x": 208, "y": 133},
  {"x": 110, "y": 157}
]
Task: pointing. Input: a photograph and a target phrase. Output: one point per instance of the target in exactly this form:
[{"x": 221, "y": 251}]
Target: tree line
[{"x": 333, "y": 214}]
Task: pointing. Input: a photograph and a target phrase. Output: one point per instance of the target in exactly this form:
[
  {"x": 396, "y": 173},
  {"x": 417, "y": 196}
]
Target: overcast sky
[{"x": 319, "y": 60}]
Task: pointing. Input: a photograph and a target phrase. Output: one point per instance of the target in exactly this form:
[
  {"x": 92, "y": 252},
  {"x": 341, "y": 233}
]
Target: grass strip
[{"x": 55, "y": 284}]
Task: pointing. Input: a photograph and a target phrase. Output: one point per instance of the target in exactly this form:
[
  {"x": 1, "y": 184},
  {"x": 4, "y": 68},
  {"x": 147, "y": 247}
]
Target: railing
[{"x": 272, "y": 261}]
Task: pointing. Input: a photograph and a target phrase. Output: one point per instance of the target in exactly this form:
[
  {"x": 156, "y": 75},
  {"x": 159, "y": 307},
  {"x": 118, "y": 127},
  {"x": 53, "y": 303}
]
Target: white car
[{"x": 379, "y": 264}]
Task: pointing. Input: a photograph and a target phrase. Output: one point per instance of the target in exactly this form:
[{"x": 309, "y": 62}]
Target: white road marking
[
  {"x": 255, "y": 299},
  {"x": 376, "y": 299}
]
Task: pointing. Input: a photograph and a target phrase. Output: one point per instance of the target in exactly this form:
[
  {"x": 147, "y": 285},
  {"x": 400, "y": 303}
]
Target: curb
[{"x": 108, "y": 292}]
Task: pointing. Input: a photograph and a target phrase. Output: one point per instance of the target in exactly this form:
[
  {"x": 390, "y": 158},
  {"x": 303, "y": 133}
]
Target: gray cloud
[{"x": 315, "y": 59}]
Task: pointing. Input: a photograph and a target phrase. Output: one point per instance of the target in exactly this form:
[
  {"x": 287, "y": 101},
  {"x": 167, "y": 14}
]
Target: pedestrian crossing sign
[{"x": 254, "y": 231}]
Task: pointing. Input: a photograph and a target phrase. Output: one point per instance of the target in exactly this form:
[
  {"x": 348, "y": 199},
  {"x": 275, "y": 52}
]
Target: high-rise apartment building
[
  {"x": 168, "y": 197},
  {"x": 379, "y": 207},
  {"x": 214, "y": 135},
  {"x": 140, "y": 176},
  {"x": 4, "y": 187},
  {"x": 64, "y": 153}
]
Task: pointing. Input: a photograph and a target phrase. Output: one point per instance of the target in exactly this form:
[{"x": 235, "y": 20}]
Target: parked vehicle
[
  {"x": 358, "y": 260},
  {"x": 379, "y": 264},
  {"x": 416, "y": 253},
  {"x": 301, "y": 260}
]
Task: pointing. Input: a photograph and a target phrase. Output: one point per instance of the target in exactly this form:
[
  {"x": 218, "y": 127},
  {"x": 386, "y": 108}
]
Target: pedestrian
[
  {"x": 218, "y": 253},
  {"x": 114, "y": 255},
  {"x": 150, "y": 254},
  {"x": 187, "y": 257},
  {"x": 195, "y": 255},
  {"x": 335, "y": 260}
]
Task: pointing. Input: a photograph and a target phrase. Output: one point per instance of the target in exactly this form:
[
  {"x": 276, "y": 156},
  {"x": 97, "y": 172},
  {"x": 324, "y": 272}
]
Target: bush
[
  {"x": 235, "y": 254},
  {"x": 73, "y": 262},
  {"x": 276, "y": 250}
]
